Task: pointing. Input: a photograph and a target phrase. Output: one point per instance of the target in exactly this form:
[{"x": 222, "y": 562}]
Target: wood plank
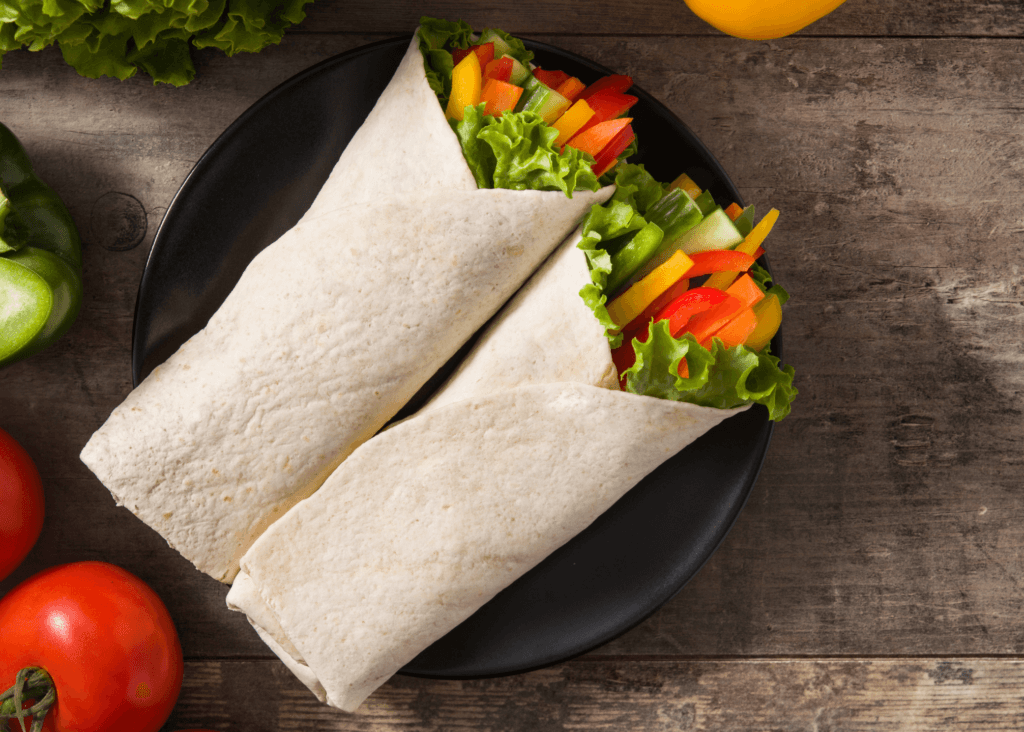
[
  {"x": 537, "y": 18},
  {"x": 887, "y": 519},
  {"x": 911, "y": 695}
]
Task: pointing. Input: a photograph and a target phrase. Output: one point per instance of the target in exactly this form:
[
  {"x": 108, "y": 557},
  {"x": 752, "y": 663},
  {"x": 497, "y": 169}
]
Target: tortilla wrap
[
  {"x": 329, "y": 332},
  {"x": 522, "y": 449}
]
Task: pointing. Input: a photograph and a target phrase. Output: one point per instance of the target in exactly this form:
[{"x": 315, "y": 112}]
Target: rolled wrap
[
  {"x": 520, "y": 451},
  {"x": 329, "y": 332}
]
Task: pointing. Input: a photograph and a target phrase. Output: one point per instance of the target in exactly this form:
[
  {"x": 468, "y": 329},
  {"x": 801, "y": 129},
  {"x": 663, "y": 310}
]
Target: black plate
[{"x": 258, "y": 179}]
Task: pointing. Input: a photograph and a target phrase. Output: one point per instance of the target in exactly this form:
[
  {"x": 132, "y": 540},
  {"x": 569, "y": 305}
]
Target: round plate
[{"x": 258, "y": 179}]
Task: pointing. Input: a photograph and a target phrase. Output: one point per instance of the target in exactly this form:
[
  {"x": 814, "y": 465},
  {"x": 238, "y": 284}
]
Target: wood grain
[
  {"x": 537, "y": 18},
  {"x": 887, "y": 520},
  {"x": 839, "y": 695}
]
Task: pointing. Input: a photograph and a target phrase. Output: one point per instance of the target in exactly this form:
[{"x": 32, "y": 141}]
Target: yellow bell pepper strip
[
  {"x": 569, "y": 123},
  {"x": 635, "y": 300},
  {"x": 769, "y": 319},
  {"x": 594, "y": 140},
  {"x": 466, "y": 82},
  {"x": 571, "y": 88},
  {"x": 760, "y": 20},
  {"x": 686, "y": 183},
  {"x": 754, "y": 240},
  {"x": 500, "y": 97}
]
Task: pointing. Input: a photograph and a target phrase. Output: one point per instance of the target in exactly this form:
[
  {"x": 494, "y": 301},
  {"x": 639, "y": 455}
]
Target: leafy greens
[{"x": 119, "y": 37}]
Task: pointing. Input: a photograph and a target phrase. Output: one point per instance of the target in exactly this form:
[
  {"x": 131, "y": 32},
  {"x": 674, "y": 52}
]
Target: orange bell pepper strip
[
  {"x": 571, "y": 88},
  {"x": 635, "y": 300},
  {"x": 754, "y": 240},
  {"x": 570, "y": 123},
  {"x": 733, "y": 211},
  {"x": 760, "y": 20},
  {"x": 500, "y": 97},
  {"x": 466, "y": 83},
  {"x": 616, "y": 82},
  {"x": 595, "y": 139},
  {"x": 736, "y": 331},
  {"x": 741, "y": 294},
  {"x": 769, "y": 318}
]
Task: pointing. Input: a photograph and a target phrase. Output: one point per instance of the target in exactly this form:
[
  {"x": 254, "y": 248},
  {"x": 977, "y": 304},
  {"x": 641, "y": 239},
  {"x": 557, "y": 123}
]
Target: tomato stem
[{"x": 30, "y": 684}]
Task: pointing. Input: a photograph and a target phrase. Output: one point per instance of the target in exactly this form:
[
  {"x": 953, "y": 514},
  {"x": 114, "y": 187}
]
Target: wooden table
[{"x": 874, "y": 580}]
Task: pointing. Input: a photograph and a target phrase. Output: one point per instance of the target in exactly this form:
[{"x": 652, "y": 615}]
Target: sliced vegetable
[
  {"x": 705, "y": 263},
  {"x": 571, "y": 88},
  {"x": 685, "y": 183},
  {"x": 735, "y": 332},
  {"x": 500, "y": 69},
  {"x": 615, "y": 83},
  {"x": 636, "y": 299},
  {"x": 769, "y": 318},
  {"x": 541, "y": 99},
  {"x": 466, "y": 86},
  {"x": 484, "y": 53},
  {"x": 681, "y": 309},
  {"x": 570, "y": 122},
  {"x": 499, "y": 97},
  {"x": 609, "y": 156},
  {"x": 715, "y": 231},
  {"x": 553, "y": 79},
  {"x": 629, "y": 258},
  {"x": 733, "y": 211},
  {"x": 596, "y": 138},
  {"x": 750, "y": 244},
  {"x": 519, "y": 73},
  {"x": 641, "y": 321},
  {"x": 676, "y": 213},
  {"x": 607, "y": 105}
]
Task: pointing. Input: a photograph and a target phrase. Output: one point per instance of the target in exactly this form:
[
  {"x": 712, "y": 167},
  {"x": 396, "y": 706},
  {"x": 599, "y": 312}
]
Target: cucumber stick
[{"x": 715, "y": 231}]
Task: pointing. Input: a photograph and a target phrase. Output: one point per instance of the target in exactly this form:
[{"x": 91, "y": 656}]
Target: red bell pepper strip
[
  {"x": 595, "y": 139},
  {"x": 719, "y": 260},
  {"x": 679, "y": 312},
  {"x": 485, "y": 52},
  {"x": 552, "y": 79},
  {"x": 609, "y": 156},
  {"x": 499, "y": 68},
  {"x": 500, "y": 97},
  {"x": 607, "y": 105},
  {"x": 616, "y": 82},
  {"x": 571, "y": 89},
  {"x": 640, "y": 322}
]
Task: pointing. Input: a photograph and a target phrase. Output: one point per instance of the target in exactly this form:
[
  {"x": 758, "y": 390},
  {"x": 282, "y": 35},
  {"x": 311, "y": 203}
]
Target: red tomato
[
  {"x": 21, "y": 504},
  {"x": 106, "y": 640}
]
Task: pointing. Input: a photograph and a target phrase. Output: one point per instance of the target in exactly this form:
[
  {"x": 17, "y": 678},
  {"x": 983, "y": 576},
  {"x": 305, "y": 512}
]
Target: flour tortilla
[
  {"x": 328, "y": 333},
  {"x": 523, "y": 448}
]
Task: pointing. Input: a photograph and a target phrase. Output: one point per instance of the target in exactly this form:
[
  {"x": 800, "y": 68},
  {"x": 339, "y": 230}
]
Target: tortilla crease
[
  {"x": 528, "y": 442},
  {"x": 329, "y": 332}
]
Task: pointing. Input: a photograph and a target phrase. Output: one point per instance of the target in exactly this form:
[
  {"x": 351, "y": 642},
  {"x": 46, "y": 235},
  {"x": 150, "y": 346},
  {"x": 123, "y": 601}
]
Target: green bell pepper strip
[{"x": 40, "y": 258}]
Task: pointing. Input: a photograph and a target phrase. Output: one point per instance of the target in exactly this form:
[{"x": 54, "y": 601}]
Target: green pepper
[{"x": 40, "y": 258}]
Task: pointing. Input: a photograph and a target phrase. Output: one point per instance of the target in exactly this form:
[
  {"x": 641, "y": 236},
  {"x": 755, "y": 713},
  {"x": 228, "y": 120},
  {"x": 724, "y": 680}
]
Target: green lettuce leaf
[
  {"x": 434, "y": 35},
  {"x": 763, "y": 279},
  {"x": 120, "y": 37},
  {"x": 517, "y": 152},
  {"x": 723, "y": 378}
]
